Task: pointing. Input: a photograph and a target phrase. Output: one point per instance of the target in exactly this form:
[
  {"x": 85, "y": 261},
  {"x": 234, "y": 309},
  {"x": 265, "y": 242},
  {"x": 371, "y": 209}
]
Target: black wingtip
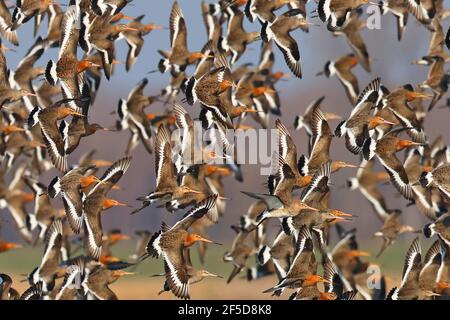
[
  {"x": 247, "y": 11},
  {"x": 301, "y": 164},
  {"x": 366, "y": 149},
  {"x": 189, "y": 91},
  {"x": 50, "y": 73},
  {"x": 447, "y": 39},
  {"x": 338, "y": 131},
  {"x": 427, "y": 231},
  {"x": 321, "y": 10},
  {"x": 150, "y": 249},
  {"x": 264, "y": 31}
]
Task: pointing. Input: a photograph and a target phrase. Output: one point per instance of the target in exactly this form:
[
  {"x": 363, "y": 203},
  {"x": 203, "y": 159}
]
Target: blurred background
[{"x": 391, "y": 60}]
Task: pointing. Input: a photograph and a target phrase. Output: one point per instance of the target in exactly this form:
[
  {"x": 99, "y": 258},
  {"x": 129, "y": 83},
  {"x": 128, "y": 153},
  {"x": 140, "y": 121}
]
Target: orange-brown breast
[{"x": 66, "y": 67}]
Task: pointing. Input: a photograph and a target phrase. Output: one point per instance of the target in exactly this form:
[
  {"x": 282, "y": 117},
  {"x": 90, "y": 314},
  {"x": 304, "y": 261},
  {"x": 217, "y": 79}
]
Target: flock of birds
[{"x": 36, "y": 136}]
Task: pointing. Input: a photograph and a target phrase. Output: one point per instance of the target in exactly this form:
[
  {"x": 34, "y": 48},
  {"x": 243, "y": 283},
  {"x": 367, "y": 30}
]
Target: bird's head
[
  {"x": 6, "y": 246},
  {"x": 206, "y": 273},
  {"x": 413, "y": 95},
  {"x": 118, "y": 236},
  {"x": 353, "y": 254},
  {"x": 86, "y": 64},
  {"x": 223, "y": 171},
  {"x": 89, "y": 180},
  {"x": 151, "y": 26},
  {"x": 402, "y": 144},
  {"x": 259, "y": 91},
  {"x": 378, "y": 121},
  {"x": 107, "y": 259},
  {"x": 225, "y": 84},
  {"x": 194, "y": 56},
  {"x": 123, "y": 27},
  {"x": 66, "y": 111},
  {"x": 12, "y": 128},
  {"x": 336, "y": 165},
  {"x": 109, "y": 203},
  {"x": 192, "y": 238},
  {"x": 101, "y": 163},
  {"x": 280, "y": 75},
  {"x": 120, "y": 273},
  {"x": 314, "y": 279},
  {"x": 120, "y": 16}
]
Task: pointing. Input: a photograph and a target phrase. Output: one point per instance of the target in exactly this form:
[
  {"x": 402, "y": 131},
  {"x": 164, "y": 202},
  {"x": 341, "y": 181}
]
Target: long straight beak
[
  {"x": 157, "y": 27},
  {"x": 309, "y": 208},
  {"x": 5, "y": 48},
  {"x": 210, "y": 241},
  {"x": 101, "y": 163},
  {"x": 194, "y": 191},
  {"x": 363, "y": 254},
  {"x": 75, "y": 113},
  {"x": 345, "y": 215},
  {"x": 210, "y": 274},
  {"x": 388, "y": 122},
  {"x": 341, "y": 219},
  {"x": 422, "y": 95},
  {"x": 332, "y": 116},
  {"x": 157, "y": 275}
]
